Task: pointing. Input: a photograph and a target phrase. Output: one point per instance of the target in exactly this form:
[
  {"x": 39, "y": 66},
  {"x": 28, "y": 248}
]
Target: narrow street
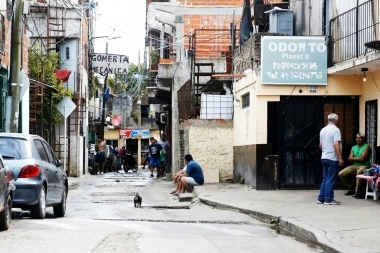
[{"x": 100, "y": 217}]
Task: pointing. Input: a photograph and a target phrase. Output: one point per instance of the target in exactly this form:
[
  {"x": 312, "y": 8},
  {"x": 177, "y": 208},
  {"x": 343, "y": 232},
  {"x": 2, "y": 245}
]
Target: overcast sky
[{"x": 125, "y": 18}]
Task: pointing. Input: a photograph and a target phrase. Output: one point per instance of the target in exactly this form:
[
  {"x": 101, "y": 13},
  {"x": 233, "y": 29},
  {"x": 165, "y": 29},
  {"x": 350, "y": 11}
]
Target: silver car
[{"x": 39, "y": 178}]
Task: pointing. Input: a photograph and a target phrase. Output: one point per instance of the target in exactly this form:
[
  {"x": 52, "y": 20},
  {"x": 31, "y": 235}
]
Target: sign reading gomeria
[
  {"x": 293, "y": 60},
  {"x": 110, "y": 63}
]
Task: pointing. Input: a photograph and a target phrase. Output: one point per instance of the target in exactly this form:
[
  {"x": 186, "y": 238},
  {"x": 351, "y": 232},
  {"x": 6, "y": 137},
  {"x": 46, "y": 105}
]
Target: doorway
[{"x": 296, "y": 135}]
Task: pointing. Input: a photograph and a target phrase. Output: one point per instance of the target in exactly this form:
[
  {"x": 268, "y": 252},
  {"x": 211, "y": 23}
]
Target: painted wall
[
  {"x": 250, "y": 124},
  {"x": 210, "y": 142}
]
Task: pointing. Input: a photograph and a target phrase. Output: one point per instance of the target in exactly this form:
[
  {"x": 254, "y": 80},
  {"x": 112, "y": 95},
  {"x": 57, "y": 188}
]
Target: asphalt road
[{"x": 100, "y": 217}]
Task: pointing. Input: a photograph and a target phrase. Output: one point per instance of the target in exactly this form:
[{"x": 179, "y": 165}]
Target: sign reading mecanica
[
  {"x": 110, "y": 63},
  {"x": 293, "y": 60}
]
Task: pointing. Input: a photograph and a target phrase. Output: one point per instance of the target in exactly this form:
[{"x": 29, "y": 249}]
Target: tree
[{"x": 42, "y": 68}]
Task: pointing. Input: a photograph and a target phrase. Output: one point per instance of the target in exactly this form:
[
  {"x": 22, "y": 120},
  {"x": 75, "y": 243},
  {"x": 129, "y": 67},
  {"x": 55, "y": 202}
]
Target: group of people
[
  {"x": 331, "y": 146},
  {"x": 158, "y": 154},
  {"x": 185, "y": 179},
  {"x": 116, "y": 157}
]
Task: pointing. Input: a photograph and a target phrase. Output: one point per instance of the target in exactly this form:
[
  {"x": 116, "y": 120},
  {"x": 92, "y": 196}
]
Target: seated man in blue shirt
[{"x": 193, "y": 175}]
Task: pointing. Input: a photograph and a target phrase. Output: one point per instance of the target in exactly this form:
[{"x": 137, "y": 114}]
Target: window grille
[{"x": 245, "y": 100}]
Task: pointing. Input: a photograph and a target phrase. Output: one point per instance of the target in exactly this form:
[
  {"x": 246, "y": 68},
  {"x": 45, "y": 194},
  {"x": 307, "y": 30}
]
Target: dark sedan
[
  {"x": 6, "y": 196},
  {"x": 40, "y": 180}
]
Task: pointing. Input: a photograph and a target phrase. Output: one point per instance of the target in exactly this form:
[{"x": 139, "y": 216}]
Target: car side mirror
[{"x": 58, "y": 163}]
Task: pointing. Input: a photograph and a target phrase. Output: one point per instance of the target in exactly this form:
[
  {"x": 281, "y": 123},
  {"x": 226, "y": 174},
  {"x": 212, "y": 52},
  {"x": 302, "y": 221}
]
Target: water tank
[{"x": 281, "y": 21}]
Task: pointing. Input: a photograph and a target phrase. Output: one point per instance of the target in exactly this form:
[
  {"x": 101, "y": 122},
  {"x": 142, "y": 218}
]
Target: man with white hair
[{"x": 331, "y": 146}]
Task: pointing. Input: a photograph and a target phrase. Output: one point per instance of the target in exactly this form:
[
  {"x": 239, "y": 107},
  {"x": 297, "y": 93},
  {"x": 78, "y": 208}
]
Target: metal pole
[
  {"x": 65, "y": 142},
  {"x": 104, "y": 101},
  {"x": 16, "y": 64}
]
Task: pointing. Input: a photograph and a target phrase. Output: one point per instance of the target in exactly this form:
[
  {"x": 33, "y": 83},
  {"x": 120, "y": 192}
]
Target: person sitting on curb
[
  {"x": 177, "y": 180},
  {"x": 360, "y": 158},
  {"x": 192, "y": 177}
]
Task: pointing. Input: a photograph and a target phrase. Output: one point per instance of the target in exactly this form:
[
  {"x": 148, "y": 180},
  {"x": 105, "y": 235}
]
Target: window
[
  {"x": 49, "y": 153},
  {"x": 245, "y": 100},
  {"x": 67, "y": 53},
  {"x": 41, "y": 150}
]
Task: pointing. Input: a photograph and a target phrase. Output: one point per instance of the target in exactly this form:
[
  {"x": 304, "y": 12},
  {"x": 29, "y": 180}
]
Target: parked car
[
  {"x": 6, "y": 196},
  {"x": 39, "y": 178}
]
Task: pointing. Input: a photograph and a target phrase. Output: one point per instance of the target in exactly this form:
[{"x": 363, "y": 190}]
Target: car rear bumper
[{"x": 26, "y": 193}]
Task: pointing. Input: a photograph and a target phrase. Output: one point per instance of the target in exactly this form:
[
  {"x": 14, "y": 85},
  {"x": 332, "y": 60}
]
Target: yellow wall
[{"x": 250, "y": 124}]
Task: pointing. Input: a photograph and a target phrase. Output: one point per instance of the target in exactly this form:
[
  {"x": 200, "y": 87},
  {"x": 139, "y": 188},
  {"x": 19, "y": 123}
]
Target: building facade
[
  {"x": 189, "y": 41},
  {"x": 278, "y": 120}
]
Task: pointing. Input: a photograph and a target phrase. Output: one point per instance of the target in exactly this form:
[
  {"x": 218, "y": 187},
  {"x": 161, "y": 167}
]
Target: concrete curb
[{"x": 286, "y": 225}]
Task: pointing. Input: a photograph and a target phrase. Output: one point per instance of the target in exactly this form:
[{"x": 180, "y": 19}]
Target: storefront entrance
[{"x": 294, "y": 124}]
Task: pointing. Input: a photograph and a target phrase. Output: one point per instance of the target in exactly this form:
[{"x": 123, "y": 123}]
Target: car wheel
[
  {"x": 38, "y": 211},
  {"x": 5, "y": 215},
  {"x": 60, "y": 210}
]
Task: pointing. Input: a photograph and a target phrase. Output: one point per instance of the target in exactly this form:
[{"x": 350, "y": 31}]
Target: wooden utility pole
[{"x": 16, "y": 65}]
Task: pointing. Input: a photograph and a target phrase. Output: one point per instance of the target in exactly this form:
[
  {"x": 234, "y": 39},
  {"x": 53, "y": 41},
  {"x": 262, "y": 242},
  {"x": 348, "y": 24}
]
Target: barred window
[
  {"x": 245, "y": 100},
  {"x": 2, "y": 34}
]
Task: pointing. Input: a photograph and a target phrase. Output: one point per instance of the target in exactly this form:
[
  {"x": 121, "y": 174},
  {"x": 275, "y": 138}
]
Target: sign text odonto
[
  {"x": 293, "y": 60},
  {"x": 110, "y": 63}
]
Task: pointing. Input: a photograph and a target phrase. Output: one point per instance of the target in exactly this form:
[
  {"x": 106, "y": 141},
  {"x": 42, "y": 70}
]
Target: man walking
[
  {"x": 154, "y": 162},
  {"x": 331, "y": 146}
]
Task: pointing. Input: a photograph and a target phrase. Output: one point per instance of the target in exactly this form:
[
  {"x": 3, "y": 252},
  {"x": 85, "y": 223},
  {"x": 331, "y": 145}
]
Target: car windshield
[{"x": 14, "y": 148}]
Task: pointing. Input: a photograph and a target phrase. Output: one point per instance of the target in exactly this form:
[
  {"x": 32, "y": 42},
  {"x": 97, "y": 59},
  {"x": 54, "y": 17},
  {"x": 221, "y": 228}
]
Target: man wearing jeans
[{"x": 331, "y": 146}]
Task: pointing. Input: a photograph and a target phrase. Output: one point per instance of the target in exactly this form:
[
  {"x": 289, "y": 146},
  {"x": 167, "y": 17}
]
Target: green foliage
[
  {"x": 42, "y": 68},
  {"x": 154, "y": 57},
  {"x": 93, "y": 86},
  {"x": 241, "y": 180}
]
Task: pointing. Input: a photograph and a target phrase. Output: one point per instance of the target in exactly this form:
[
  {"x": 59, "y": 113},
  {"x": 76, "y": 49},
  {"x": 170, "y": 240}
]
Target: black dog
[{"x": 137, "y": 200}]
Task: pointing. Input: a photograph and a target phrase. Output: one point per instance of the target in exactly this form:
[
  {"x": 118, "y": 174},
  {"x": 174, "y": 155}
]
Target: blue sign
[
  {"x": 292, "y": 60},
  {"x": 107, "y": 94}
]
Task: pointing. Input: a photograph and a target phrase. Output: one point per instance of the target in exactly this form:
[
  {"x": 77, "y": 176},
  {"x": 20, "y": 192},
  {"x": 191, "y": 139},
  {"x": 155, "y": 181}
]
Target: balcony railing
[{"x": 353, "y": 33}]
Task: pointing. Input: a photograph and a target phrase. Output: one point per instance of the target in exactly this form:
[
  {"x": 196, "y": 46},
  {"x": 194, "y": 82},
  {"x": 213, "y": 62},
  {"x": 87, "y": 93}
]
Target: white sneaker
[
  {"x": 97, "y": 173},
  {"x": 101, "y": 173}
]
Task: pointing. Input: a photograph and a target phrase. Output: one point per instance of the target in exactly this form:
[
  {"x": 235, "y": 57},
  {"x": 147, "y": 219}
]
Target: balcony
[
  {"x": 166, "y": 68},
  {"x": 354, "y": 40}
]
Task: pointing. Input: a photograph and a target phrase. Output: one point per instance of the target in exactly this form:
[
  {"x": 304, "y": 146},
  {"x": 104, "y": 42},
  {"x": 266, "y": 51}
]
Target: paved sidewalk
[{"x": 351, "y": 227}]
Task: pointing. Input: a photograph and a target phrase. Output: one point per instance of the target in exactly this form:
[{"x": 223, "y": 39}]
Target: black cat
[{"x": 137, "y": 200}]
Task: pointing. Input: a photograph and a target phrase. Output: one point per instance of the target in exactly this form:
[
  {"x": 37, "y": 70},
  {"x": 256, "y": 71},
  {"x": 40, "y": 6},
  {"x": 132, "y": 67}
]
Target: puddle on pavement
[
  {"x": 111, "y": 201},
  {"x": 111, "y": 194},
  {"x": 185, "y": 221}
]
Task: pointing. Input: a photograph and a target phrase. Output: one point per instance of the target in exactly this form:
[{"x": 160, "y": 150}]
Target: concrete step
[{"x": 185, "y": 197}]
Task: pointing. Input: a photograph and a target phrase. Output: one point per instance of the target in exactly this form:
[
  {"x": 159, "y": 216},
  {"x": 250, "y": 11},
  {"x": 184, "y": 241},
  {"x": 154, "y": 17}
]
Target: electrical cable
[
  {"x": 374, "y": 80},
  {"x": 291, "y": 92}
]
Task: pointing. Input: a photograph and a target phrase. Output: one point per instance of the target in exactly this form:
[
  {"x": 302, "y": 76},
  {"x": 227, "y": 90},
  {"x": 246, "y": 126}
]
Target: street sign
[
  {"x": 110, "y": 63},
  {"x": 66, "y": 106}
]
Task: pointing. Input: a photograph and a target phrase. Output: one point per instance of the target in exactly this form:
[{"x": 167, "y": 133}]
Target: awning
[{"x": 63, "y": 74}]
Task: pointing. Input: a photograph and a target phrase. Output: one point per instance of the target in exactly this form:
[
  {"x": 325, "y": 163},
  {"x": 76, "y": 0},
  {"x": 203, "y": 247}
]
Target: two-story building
[
  {"x": 189, "y": 41},
  {"x": 56, "y": 26},
  {"x": 309, "y": 60}
]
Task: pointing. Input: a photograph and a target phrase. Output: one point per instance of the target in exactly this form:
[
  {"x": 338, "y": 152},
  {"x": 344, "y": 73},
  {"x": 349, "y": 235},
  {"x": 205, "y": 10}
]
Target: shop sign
[
  {"x": 135, "y": 133},
  {"x": 292, "y": 60}
]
